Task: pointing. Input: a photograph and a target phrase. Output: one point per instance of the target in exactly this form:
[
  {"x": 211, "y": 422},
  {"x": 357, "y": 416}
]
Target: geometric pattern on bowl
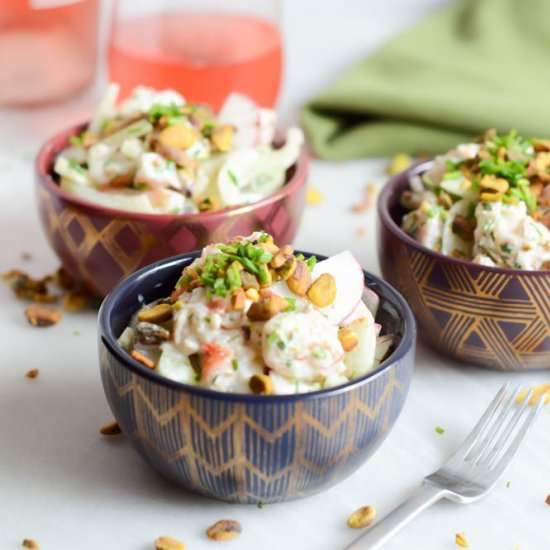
[
  {"x": 249, "y": 448},
  {"x": 479, "y": 316},
  {"x": 245, "y": 452},
  {"x": 491, "y": 317},
  {"x": 101, "y": 250},
  {"x": 101, "y": 246}
]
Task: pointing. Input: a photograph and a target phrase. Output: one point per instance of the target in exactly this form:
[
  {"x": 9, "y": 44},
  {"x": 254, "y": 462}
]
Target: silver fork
[{"x": 471, "y": 472}]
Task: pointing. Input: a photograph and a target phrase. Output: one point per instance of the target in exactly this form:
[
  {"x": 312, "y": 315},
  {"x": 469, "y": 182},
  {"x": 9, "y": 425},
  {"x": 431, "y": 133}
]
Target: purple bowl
[
  {"x": 100, "y": 246},
  {"x": 488, "y": 316}
]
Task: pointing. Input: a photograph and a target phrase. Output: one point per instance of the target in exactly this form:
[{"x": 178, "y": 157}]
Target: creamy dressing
[
  {"x": 128, "y": 169},
  {"x": 506, "y": 235},
  {"x": 477, "y": 202},
  {"x": 203, "y": 339}
]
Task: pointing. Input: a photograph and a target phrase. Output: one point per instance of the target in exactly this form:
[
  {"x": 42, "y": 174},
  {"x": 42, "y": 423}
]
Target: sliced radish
[
  {"x": 254, "y": 125},
  {"x": 348, "y": 275},
  {"x": 361, "y": 358},
  {"x": 383, "y": 345},
  {"x": 349, "y": 284},
  {"x": 360, "y": 311},
  {"x": 372, "y": 300}
]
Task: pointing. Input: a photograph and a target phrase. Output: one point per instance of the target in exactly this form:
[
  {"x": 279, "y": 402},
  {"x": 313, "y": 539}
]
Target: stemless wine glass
[
  {"x": 205, "y": 49},
  {"x": 48, "y": 49}
]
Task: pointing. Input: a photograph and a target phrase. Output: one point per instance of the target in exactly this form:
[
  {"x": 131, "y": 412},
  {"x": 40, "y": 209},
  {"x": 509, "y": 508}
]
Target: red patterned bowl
[
  {"x": 101, "y": 246},
  {"x": 488, "y": 316}
]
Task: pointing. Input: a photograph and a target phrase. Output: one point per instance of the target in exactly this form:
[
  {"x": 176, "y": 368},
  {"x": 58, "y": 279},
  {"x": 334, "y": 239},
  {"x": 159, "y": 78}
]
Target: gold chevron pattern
[
  {"x": 102, "y": 250},
  {"x": 491, "y": 319},
  {"x": 245, "y": 451}
]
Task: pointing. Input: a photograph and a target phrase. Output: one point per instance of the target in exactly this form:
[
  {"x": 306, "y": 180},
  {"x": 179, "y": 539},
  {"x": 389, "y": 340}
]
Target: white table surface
[{"x": 72, "y": 489}]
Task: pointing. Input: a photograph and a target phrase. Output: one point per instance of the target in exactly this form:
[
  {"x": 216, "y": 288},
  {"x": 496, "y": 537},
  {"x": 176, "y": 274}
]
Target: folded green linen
[{"x": 474, "y": 65}]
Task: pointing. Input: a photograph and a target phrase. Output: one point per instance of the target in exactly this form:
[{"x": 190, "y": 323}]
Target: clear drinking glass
[
  {"x": 48, "y": 49},
  {"x": 203, "y": 48}
]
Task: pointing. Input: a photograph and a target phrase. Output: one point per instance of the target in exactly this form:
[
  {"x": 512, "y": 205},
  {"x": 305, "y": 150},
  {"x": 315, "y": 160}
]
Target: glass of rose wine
[
  {"x": 204, "y": 49},
  {"x": 48, "y": 49}
]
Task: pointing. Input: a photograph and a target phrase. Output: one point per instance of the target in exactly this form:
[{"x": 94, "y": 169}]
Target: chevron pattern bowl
[
  {"x": 100, "y": 246},
  {"x": 247, "y": 448},
  {"x": 487, "y": 316}
]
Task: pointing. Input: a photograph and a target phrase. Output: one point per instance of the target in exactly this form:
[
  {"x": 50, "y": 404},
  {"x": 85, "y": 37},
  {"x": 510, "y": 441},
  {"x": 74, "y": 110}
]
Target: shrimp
[
  {"x": 215, "y": 360},
  {"x": 302, "y": 346}
]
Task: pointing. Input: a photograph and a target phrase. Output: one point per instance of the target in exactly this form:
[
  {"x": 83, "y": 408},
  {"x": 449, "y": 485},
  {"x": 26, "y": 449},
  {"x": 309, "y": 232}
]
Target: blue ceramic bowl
[{"x": 248, "y": 448}]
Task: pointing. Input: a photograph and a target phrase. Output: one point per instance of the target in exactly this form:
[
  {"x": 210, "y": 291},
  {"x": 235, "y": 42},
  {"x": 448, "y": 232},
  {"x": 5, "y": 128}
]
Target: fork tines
[{"x": 500, "y": 431}]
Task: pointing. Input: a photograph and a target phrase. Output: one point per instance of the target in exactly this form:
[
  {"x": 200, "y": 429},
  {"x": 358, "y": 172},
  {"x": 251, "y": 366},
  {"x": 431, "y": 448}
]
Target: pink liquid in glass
[
  {"x": 47, "y": 49},
  {"x": 203, "y": 55}
]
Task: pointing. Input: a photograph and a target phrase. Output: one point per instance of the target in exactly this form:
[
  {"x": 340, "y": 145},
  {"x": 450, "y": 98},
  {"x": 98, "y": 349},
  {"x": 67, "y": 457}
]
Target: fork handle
[{"x": 388, "y": 526}]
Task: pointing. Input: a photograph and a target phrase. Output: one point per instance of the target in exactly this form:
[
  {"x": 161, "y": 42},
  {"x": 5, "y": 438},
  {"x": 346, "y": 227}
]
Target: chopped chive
[
  {"x": 452, "y": 165},
  {"x": 234, "y": 364},
  {"x": 291, "y": 304},
  {"x": 171, "y": 120},
  {"x": 248, "y": 264},
  {"x": 233, "y": 178},
  {"x": 76, "y": 166},
  {"x": 233, "y": 277},
  {"x": 76, "y": 141},
  {"x": 134, "y": 130},
  {"x": 506, "y": 248},
  {"x": 207, "y": 128},
  {"x": 311, "y": 262},
  {"x": 265, "y": 257},
  {"x": 219, "y": 287},
  {"x": 184, "y": 281},
  {"x": 439, "y": 430},
  {"x": 158, "y": 110},
  {"x": 264, "y": 276},
  {"x": 318, "y": 354},
  {"x": 454, "y": 175}
]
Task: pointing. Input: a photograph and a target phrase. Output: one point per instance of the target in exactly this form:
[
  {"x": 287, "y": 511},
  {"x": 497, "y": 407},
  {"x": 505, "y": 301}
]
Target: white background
[{"x": 71, "y": 489}]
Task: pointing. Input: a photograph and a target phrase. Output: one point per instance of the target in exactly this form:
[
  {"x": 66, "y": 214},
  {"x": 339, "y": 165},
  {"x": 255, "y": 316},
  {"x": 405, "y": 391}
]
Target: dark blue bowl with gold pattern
[{"x": 249, "y": 448}]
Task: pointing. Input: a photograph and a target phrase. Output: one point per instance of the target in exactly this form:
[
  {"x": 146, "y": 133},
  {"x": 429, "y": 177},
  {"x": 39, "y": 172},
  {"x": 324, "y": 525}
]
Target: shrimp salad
[
  {"x": 249, "y": 316},
  {"x": 156, "y": 153},
  {"x": 487, "y": 201}
]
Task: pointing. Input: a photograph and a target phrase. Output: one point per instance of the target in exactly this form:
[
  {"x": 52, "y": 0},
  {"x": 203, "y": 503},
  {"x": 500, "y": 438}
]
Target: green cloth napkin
[{"x": 474, "y": 65}]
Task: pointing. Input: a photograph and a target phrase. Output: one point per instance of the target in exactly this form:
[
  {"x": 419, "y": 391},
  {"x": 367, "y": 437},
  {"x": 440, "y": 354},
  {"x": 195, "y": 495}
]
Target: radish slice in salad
[
  {"x": 349, "y": 284},
  {"x": 360, "y": 359},
  {"x": 383, "y": 346},
  {"x": 256, "y": 126}
]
